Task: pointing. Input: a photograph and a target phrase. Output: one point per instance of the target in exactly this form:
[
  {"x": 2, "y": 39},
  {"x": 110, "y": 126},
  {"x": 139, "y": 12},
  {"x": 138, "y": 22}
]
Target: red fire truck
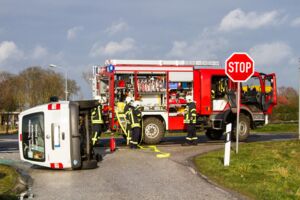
[{"x": 162, "y": 85}]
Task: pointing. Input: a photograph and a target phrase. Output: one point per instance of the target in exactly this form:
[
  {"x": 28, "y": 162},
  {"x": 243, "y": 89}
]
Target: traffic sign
[{"x": 239, "y": 67}]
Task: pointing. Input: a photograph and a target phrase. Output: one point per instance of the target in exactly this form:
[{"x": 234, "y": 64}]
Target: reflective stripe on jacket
[
  {"x": 96, "y": 116},
  {"x": 190, "y": 115}
]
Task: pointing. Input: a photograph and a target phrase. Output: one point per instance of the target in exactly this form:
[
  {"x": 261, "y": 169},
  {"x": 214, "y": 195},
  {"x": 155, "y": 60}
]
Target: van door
[{"x": 32, "y": 142}]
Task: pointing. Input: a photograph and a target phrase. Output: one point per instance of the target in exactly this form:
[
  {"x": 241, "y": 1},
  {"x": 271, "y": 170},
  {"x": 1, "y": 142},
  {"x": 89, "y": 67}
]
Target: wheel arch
[
  {"x": 160, "y": 116},
  {"x": 229, "y": 116}
]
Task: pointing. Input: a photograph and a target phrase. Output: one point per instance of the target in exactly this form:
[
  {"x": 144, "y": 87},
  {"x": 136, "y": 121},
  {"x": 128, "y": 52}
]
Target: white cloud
[
  {"x": 206, "y": 46},
  {"x": 117, "y": 27},
  {"x": 39, "y": 52},
  {"x": 113, "y": 48},
  {"x": 238, "y": 19},
  {"x": 178, "y": 49},
  {"x": 9, "y": 50},
  {"x": 73, "y": 32},
  {"x": 296, "y": 22},
  {"x": 271, "y": 54}
]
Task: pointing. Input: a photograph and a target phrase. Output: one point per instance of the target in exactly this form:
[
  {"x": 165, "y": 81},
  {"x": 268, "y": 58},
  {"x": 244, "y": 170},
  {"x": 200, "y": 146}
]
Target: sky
[{"x": 77, "y": 35}]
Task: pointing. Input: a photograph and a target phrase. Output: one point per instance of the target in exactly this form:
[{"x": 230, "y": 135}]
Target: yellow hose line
[
  {"x": 151, "y": 147},
  {"x": 156, "y": 150}
]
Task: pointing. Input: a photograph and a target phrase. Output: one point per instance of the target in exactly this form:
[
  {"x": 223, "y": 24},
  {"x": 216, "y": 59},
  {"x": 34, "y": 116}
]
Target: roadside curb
[
  {"x": 233, "y": 193},
  {"x": 23, "y": 183}
]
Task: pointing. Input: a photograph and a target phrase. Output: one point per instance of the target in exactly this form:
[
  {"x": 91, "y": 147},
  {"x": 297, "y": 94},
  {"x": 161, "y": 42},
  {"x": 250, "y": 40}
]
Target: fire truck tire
[
  {"x": 153, "y": 130},
  {"x": 214, "y": 134},
  {"x": 89, "y": 164},
  {"x": 244, "y": 128}
]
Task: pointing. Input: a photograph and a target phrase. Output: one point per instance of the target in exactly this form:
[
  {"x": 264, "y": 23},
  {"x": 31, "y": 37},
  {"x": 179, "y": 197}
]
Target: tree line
[
  {"x": 31, "y": 87},
  {"x": 287, "y": 107}
]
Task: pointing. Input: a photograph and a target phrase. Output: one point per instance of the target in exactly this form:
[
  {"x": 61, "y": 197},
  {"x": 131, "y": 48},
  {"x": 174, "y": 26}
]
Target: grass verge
[
  {"x": 8, "y": 180},
  {"x": 266, "y": 170},
  {"x": 276, "y": 128}
]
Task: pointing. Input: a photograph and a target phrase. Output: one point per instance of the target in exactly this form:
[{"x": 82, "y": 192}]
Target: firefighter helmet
[
  {"x": 136, "y": 104},
  {"x": 129, "y": 99},
  {"x": 102, "y": 100},
  {"x": 189, "y": 98}
]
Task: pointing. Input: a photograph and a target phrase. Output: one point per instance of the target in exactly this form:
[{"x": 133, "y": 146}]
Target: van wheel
[
  {"x": 89, "y": 164},
  {"x": 214, "y": 134},
  {"x": 244, "y": 128},
  {"x": 153, "y": 130}
]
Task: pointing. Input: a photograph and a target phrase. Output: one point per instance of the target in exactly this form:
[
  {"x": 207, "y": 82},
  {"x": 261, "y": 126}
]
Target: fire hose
[{"x": 152, "y": 148}]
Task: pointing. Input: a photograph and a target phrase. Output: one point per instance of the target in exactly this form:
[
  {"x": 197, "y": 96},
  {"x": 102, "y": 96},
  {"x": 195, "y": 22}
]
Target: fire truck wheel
[
  {"x": 153, "y": 130},
  {"x": 89, "y": 164},
  {"x": 214, "y": 134},
  {"x": 244, "y": 128}
]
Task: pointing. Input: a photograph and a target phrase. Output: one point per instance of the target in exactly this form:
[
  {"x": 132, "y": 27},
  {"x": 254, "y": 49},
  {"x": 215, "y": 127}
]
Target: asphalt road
[{"x": 130, "y": 174}]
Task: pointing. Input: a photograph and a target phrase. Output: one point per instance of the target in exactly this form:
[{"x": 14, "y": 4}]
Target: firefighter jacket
[
  {"x": 135, "y": 117},
  {"x": 127, "y": 110},
  {"x": 96, "y": 116},
  {"x": 190, "y": 113}
]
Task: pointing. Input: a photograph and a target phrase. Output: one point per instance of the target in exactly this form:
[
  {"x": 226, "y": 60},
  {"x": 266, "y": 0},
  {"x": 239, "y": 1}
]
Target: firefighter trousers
[
  {"x": 191, "y": 137},
  {"x": 136, "y": 134},
  {"x": 96, "y": 129}
]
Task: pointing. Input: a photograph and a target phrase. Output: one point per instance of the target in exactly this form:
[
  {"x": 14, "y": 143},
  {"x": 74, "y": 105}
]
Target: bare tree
[{"x": 88, "y": 77}]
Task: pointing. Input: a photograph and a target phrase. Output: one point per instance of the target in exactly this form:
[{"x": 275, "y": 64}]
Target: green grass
[
  {"x": 8, "y": 180},
  {"x": 275, "y": 128},
  {"x": 266, "y": 170}
]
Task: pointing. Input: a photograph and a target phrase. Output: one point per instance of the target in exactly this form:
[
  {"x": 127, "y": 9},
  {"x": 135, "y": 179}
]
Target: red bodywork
[{"x": 201, "y": 89}]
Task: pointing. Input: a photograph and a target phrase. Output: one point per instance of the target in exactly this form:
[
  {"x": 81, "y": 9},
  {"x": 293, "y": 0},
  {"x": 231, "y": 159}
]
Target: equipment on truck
[
  {"x": 57, "y": 135},
  {"x": 162, "y": 85}
]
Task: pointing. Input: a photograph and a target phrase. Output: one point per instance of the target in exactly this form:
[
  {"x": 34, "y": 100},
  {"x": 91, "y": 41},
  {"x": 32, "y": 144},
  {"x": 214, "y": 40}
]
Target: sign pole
[
  {"x": 239, "y": 67},
  {"x": 238, "y": 94}
]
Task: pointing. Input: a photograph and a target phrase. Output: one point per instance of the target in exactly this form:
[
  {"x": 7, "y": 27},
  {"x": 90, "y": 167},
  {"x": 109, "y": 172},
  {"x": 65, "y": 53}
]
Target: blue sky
[{"x": 77, "y": 34}]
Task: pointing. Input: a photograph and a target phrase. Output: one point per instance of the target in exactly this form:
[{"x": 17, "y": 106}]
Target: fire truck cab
[
  {"x": 55, "y": 135},
  {"x": 162, "y": 85}
]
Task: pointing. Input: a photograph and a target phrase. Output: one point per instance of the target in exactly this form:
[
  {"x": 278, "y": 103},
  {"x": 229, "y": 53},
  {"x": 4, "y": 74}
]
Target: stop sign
[{"x": 239, "y": 67}]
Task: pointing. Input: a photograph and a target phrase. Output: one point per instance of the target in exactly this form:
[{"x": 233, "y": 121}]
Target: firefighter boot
[
  {"x": 195, "y": 142},
  {"x": 186, "y": 143}
]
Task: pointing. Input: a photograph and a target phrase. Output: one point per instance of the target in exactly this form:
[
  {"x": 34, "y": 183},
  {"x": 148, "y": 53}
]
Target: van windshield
[{"x": 33, "y": 140}]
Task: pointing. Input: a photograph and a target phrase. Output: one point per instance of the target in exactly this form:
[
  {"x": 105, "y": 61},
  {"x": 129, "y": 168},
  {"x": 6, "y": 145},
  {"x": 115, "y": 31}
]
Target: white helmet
[
  {"x": 128, "y": 99},
  {"x": 102, "y": 100},
  {"x": 136, "y": 104},
  {"x": 189, "y": 98}
]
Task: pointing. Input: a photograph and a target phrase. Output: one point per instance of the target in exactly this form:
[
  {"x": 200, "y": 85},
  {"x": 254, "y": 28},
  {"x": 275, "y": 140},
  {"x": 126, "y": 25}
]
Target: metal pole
[
  {"x": 237, "y": 117},
  {"x": 66, "y": 85},
  {"x": 66, "y": 78}
]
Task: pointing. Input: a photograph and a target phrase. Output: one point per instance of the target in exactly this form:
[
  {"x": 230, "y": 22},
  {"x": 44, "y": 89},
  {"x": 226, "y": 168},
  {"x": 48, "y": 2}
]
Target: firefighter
[
  {"x": 135, "y": 123},
  {"x": 97, "y": 121},
  {"x": 190, "y": 122},
  {"x": 127, "y": 108}
]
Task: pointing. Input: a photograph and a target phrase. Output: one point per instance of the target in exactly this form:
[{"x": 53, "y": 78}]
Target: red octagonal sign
[{"x": 239, "y": 67}]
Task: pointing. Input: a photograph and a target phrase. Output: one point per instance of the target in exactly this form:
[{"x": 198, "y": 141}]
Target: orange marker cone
[{"x": 112, "y": 144}]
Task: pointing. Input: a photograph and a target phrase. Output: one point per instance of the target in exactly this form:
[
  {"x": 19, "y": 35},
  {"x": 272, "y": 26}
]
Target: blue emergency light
[{"x": 110, "y": 68}]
